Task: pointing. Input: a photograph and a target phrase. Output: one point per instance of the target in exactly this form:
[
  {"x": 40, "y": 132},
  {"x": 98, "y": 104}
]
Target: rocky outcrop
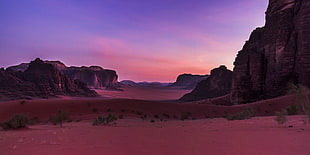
[
  {"x": 217, "y": 84},
  {"x": 143, "y": 84},
  {"x": 188, "y": 81},
  {"x": 94, "y": 76},
  {"x": 275, "y": 55},
  {"x": 41, "y": 80}
]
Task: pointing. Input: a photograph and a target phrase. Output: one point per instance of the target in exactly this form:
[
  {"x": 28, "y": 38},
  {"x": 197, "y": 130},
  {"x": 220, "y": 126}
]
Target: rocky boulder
[
  {"x": 217, "y": 84},
  {"x": 275, "y": 55}
]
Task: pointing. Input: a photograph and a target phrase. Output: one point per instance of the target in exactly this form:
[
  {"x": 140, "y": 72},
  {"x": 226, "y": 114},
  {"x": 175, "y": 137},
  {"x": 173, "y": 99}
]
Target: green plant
[
  {"x": 166, "y": 115},
  {"x": 281, "y": 117},
  {"x": 22, "y": 102},
  {"x": 245, "y": 114},
  {"x": 293, "y": 110},
  {"x": 15, "y": 122},
  {"x": 104, "y": 120},
  {"x": 301, "y": 97},
  {"x": 95, "y": 110},
  {"x": 184, "y": 116},
  {"x": 59, "y": 118},
  {"x": 120, "y": 116}
]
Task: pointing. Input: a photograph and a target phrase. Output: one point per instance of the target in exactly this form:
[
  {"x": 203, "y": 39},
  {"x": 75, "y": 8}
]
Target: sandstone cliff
[
  {"x": 217, "y": 84},
  {"x": 94, "y": 76},
  {"x": 189, "y": 81},
  {"x": 275, "y": 55},
  {"x": 40, "y": 80}
]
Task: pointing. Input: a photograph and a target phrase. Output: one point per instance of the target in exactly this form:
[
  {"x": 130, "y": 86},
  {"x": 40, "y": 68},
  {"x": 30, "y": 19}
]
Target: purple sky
[{"x": 143, "y": 40}]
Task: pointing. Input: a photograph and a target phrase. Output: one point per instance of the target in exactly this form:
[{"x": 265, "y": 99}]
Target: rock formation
[
  {"x": 94, "y": 76},
  {"x": 41, "y": 80},
  {"x": 275, "y": 55},
  {"x": 189, "y": 81},
  {"x": 217, "y": 84}
]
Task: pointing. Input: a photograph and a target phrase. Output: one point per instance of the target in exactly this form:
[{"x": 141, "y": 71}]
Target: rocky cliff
[
  {"x": 275, "y": 55},
  {"x": 42, "y": 80},
  {"x": 217, "y": 84},
  {"x": 188, "y": 81},
  {"x": 94, "y": 76}
]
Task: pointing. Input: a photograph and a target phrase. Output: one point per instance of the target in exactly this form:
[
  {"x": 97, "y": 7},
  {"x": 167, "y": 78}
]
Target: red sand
[
  {"x": 145, "y": 93},
  {"x": 256, "y": 136},
  {"x": 132, "y": 135}
]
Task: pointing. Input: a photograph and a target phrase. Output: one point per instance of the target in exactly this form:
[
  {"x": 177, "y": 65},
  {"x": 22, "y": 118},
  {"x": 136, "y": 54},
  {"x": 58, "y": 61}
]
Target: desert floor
[
  {"x": 132, "y": 135},
  {"x": 256, "y": 136}
]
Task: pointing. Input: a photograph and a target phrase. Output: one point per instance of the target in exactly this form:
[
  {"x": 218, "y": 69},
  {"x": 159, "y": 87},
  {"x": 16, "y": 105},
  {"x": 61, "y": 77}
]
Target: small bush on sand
[
  {"x": 184, "y": 116},
  {"x": 166, "y": 115},
  {"x": 15, "y": 122},
  {"x": 281, "y": 117},
  {"x": 152, "y": 121},
  {"x": 301, "y": 97},
  {"x": 59, "y": 118},
  {"x": 95, "y": 110},
  {"x": 22, "y": 102},
  {"x": 156, "y": 116},
  {"x": 293, "y": 110},
  {"x": 101, "y": 120},
  {"x": 120, "y": 116},
  {"x": 245, "y": 114}
]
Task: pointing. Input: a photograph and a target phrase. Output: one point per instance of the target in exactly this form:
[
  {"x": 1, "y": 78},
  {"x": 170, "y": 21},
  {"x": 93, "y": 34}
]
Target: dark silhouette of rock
[
  {"x": 41, "y": 80},
  {"x": 275, "y": 55},
  {"x": 217, "y": 84},
  {"x": 143, "y": 84},
  {"x": 94, "y": 76},
  {"x": 189, "y": 81}
]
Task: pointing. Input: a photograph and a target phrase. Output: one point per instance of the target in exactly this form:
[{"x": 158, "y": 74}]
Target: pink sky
[{"x": 142, "y": 40}]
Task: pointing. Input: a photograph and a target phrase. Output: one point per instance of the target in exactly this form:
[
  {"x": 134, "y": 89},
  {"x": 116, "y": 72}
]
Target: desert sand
[
  {"x": 256, "y": 136},
  {"x": 202, "y": 133}
]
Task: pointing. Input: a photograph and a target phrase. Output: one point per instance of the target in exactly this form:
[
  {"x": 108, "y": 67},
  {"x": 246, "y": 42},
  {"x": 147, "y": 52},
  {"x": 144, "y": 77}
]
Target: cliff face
[
  {"x": 217, "y": 84},
  {"x": 94, "y": 76},
  {"x": 275, "y": 55},
  {"x": 41, "y": 80},
  {"x": 188, "y": 81}
]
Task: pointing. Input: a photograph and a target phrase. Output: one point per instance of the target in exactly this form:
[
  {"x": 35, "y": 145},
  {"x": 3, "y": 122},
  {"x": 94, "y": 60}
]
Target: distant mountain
[
  {"x": 217, "y": 84},
  {"x": 41, "y": 80},
  {"x": 93, "y": 76},
  {"x": 143, "y": 84},
  {"x": 189, "y": 81}
]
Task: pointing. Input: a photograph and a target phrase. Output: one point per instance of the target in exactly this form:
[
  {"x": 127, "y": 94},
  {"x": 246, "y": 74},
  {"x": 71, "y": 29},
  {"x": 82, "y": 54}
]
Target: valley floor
[{"x": 256, "y": 136}]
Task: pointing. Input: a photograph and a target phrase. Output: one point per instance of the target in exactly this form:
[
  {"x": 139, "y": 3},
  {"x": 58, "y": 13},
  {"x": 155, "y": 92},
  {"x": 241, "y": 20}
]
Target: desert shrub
[
  {"x": 166, "y": 115},
  {"x": 152, "y": 121},
  {"x": 281, "y": 117},
  {"x": 245, "y": 114},
  {"x": 139, "y": 113},
  {"x": 301, "y": 97},
  {"x": 184, "y": 116},
  {"x": 120, "y": 116},
  {"x": 59, "y": 118},
  {"x": 77, "y": 120},
  {"x": 156, "y": 116},
  {"x": 15, "y": 122},
  {"x": 95, "y": 110},
  {"x": 104, "y": 120},
  {"x": 293, "y": 110},
  {"x": 22, "y": 102},
  {"x": 175, "y": 116}
]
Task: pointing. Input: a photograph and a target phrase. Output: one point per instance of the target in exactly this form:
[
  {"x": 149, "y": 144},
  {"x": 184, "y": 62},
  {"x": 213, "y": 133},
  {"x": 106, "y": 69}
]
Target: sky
[{"x": 143, "y": 40}]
